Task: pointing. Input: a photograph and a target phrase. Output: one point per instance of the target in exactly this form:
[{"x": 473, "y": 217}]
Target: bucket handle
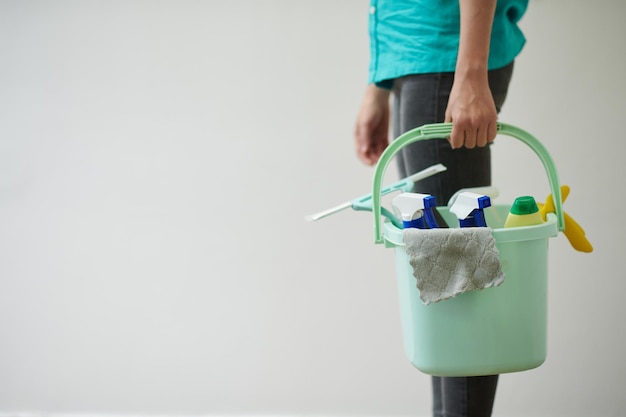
[{"x": 443, "y": 130}]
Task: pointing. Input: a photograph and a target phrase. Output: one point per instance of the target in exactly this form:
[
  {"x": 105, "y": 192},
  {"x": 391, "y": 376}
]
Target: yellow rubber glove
[{"x": 573, "y": 232}]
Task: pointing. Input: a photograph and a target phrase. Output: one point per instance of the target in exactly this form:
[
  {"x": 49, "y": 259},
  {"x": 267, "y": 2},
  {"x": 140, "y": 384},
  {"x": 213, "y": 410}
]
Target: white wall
[{"x": 156, "y": 162}]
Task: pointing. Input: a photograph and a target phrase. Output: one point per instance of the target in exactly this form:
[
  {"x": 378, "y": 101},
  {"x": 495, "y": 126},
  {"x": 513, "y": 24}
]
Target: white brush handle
[{"x": 425, "y": 173}]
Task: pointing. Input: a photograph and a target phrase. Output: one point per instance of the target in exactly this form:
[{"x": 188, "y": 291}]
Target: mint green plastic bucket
[{"x": 492, "y": 331}]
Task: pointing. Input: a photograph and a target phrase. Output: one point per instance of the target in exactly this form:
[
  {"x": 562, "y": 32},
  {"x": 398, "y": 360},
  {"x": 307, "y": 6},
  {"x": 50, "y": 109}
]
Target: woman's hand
[
  {"x": 472, "y": 111},
  {"x": 371, "y": 133},
  {"x": 471, "y": 108}
]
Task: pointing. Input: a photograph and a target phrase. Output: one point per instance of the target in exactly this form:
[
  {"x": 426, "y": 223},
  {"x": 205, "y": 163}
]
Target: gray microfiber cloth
[{"x": 449, "y": 262}]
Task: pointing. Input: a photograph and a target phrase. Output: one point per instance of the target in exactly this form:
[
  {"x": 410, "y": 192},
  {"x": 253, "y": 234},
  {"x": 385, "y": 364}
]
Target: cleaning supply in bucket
[
  {"x": 365, "y": 202},
  {"x": 524, "y": 212},
  {"x": 468, "y": 208},
  {"x": 416, "y": 210},
  {"x": 452, "y": 261},
  {"x": 573, "y": 231}
]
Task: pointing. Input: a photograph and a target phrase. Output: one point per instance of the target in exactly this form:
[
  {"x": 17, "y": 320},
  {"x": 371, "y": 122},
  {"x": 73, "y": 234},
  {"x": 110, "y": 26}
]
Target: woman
[{"x": 441, "y": 61}]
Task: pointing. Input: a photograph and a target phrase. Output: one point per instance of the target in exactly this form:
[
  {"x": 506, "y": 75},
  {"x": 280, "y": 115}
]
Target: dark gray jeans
[{"x": 418, "y": 100}]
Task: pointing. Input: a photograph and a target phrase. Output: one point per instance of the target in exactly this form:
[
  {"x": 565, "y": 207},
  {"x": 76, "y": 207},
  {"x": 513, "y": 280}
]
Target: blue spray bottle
[
  {"x": 416, "y": 210},
  {"x": 468, "y": 208}
]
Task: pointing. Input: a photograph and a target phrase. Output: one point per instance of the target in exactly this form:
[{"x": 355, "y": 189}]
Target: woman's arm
[{"x": 471, "y": 108}]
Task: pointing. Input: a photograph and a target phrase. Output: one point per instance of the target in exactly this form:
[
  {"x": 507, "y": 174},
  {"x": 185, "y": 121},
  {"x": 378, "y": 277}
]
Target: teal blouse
[{"x": 422, "y": 36}]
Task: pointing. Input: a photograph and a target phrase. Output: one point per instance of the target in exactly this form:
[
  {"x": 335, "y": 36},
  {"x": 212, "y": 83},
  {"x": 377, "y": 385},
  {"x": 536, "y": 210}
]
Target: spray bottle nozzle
[
  {"x": 468, "y": 208},
  {"x": 416, "y": 210}
]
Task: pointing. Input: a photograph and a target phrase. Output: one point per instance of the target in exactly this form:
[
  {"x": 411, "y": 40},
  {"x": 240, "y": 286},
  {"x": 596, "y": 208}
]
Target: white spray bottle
[
  {"x": 416, "y": 210},
  {"x": 468, "y": 208}
]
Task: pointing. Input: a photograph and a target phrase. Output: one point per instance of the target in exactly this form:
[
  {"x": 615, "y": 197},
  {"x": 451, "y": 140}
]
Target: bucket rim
[{"x": 392, "y": 235}]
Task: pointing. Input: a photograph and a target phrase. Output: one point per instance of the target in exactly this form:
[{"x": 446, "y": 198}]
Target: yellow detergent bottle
[{"x": 524, "y": 212}]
